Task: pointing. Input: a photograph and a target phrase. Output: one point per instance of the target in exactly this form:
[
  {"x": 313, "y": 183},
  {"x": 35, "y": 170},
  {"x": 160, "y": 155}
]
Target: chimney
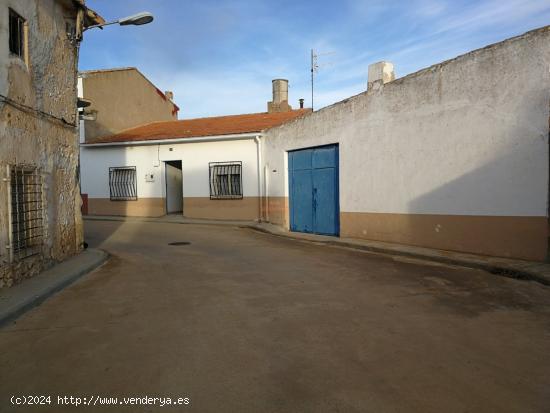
[
  {"x": 280, "y": 97},
  {"x": 380, "y": 73},
  {"x": 169, "y": 94}
]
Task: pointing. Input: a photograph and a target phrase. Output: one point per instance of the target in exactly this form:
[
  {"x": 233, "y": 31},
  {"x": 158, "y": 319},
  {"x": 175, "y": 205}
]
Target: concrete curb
[
  {"x": 524, "y": 270},
  {"x": 17, "y": 300}
]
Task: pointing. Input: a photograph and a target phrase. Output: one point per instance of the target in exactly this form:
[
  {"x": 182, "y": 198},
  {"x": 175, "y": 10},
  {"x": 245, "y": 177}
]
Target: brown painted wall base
[
  {"x": 512, "y": 237},
  {"x": 143, "y": 207},
  {"x": 246, "y": 209},
  {"x": 277, "y": 212}
]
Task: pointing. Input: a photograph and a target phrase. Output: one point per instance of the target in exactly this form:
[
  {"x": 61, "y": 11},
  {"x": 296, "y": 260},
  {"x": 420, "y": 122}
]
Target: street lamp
[{"x": 136, "y": 19}]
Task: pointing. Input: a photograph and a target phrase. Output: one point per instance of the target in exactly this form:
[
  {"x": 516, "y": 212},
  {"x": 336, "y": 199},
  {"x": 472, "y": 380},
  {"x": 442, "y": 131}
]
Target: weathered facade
[
  {"x": 453, "y": 157},
  {"x": 121, "y": 98},
  {"x": 40, "y": 220}
]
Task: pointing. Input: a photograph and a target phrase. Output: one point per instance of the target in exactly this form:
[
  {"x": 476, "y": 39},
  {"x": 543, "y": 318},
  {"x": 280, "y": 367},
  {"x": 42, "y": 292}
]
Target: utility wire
[{"x": 37, "y": 113}]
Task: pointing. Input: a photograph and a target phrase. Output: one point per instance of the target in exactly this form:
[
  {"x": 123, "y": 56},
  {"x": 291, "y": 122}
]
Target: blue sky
[{"x": 219, "y": 56}]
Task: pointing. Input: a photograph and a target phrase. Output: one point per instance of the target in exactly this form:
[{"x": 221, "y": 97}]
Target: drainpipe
[
  {"x": 9, "y": 247},
  {"x": 266, "y": 191},
  {"x": 258, "y": 141}
]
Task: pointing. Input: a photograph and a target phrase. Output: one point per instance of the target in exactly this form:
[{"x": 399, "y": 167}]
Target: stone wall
[{"x": 35, "y": 89}]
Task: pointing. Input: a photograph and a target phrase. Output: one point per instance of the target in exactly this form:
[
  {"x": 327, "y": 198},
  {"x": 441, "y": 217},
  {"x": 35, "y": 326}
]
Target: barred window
[
  {"x": 123, "y": 183},
  {"x": 26, "y": 211},
  {"x": 226, "y": 180},
  {"x": 17, "y": 34}
]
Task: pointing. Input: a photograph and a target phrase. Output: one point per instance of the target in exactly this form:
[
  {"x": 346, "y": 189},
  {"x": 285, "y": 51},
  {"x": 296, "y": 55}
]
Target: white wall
[
  {"x": 467, "y": 137},
  {"x": 95, "y": 163}
]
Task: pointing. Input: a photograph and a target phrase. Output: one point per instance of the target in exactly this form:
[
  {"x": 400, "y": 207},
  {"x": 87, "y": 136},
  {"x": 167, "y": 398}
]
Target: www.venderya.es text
[{"x": 97, "y": 400}]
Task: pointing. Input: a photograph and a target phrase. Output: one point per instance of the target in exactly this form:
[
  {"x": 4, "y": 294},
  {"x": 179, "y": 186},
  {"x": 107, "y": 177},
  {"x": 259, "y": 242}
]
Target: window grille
[
  {"x": 17, "y": 33},
  {"x": 123, "y": 183},
  {"x": 26, "y": 211},
  {"x": 226, "y": 180}
]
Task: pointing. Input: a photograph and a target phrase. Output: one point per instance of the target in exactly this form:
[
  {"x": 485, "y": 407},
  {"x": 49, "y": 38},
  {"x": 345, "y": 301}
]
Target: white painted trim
[{"x": 177, "y": 140}]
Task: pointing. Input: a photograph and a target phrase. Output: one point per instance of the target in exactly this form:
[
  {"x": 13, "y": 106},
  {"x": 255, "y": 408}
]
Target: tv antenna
[{"x": 315, "y": 68}]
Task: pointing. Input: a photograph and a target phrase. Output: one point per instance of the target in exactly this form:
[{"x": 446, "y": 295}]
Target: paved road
[{"x": 240, "y": 321}]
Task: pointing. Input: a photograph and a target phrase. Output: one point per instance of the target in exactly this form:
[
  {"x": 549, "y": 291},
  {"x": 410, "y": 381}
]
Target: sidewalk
[
  {"x": 31, "y": 292},
  {"x": 535, "y": 271}
]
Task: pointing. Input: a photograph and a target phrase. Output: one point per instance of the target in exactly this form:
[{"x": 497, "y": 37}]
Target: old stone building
[{"x": 40, "y": 220}]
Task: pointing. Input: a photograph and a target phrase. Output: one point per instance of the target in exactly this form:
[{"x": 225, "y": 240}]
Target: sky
[{"x": 219, "y": 57}]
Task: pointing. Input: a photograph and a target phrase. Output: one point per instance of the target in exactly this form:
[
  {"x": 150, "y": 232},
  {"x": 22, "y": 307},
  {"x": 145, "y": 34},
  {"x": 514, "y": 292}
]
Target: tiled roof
[{"x": 215, "y": 126}]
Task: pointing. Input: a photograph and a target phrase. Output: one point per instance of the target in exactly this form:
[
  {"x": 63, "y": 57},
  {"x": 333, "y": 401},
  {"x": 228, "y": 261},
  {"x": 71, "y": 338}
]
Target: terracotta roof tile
[{"x": 215, "y": 126}]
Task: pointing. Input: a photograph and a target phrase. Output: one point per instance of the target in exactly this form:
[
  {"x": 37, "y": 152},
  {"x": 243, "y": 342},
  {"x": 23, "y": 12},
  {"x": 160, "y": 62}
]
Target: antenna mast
[{"x": 314, "y": 68}]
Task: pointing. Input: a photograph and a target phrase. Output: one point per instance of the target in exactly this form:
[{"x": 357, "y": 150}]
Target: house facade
[
  {"x": 109, "y": 90},
  {"x": 201, "y": 168},
  {"x": 453, "y": 157},
  {"x": 40, "y": 220}
]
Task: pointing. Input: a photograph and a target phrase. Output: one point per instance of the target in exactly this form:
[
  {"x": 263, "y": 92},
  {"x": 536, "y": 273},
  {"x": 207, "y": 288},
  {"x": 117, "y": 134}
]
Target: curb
[
  {"x": 198, "y": 221},
  {"x": 493, "y": 268},
  {"x": 15, "y": 306}
]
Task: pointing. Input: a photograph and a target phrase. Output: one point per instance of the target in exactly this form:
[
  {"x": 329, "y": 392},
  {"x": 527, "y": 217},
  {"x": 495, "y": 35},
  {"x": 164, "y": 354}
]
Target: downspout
[
  {"x": 266, "y": 191},
  {"x": 9, "y": 247},
  {"x": 258, "y": 141}
]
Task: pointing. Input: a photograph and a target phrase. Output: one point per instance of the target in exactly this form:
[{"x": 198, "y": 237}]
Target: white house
[
  {"x": 453, "y": 157},
  {"x": 201, "y": 168}
]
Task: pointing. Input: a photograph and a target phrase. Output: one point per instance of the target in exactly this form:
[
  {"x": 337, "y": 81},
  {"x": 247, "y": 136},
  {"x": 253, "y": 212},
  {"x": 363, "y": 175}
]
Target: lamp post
[{"x": 136, "y": 20}]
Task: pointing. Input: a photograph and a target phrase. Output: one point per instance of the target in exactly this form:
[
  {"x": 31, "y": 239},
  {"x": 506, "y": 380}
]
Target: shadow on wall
[{"x": 504, "y": 184}]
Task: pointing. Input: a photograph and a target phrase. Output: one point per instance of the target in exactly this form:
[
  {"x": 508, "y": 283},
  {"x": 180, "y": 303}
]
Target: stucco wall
[
  {"x": 149, "y": 159},
  {"x": 47, "y": 84},
  {"x": 422, "y": 158},
  {"x": 122, "y": 99}
]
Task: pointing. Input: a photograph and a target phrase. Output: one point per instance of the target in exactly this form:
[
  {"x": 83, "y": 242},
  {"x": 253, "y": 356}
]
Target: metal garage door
[{"x": 313, "y": 175}]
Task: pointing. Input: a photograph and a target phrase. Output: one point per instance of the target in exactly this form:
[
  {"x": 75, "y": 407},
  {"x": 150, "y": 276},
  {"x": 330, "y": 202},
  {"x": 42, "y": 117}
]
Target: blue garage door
[{"x": 313, "y": 175}]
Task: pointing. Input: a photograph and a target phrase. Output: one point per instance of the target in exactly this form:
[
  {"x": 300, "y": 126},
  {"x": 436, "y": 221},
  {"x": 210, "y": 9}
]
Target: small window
[
  {"x": 26, "y": 211},
  {"x": 122, "y": 183},
  {"x": 226, "y": 180},
  {"x": 17, "y": 34}
]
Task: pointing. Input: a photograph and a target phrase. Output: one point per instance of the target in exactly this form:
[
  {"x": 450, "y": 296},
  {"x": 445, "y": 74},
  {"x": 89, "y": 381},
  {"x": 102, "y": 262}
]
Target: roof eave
[{"x": 238, "y": 136}]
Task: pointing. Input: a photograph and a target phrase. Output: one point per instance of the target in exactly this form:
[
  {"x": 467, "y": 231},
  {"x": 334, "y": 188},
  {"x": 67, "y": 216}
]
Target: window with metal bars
[
  {"x": 17, "y": 34},
  {"x": 26, "y": 211},
  {"x": 123, "y": 183},
  {"x": 226, "y": 180}
]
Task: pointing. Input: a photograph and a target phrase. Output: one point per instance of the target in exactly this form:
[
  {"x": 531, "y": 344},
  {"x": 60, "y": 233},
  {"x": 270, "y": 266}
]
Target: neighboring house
[
  {"x": 40, "y": 220},
  {"x": 201, "y": 168},
  {"x": 453, "y": 157},
  {"x": 121, "y": 98}
]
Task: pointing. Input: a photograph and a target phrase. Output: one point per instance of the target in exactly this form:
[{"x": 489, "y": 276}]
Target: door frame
[
  {"x": 166, "y": 186},
  {"x": 336, "y": 188}
]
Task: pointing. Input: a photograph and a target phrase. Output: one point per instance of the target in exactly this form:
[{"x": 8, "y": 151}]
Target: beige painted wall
[
  {"x": 143, "y": 207},
  {"x": 122, "y": 99},
  {"x": 519, "y": 237},
  {"x": 246, "y": 209}
]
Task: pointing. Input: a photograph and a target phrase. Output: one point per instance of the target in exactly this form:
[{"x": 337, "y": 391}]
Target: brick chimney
[{"x": 280, "y": 97}]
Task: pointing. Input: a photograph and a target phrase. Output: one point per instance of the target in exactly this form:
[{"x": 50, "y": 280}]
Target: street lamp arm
[{"x": 135, "y": 19}]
